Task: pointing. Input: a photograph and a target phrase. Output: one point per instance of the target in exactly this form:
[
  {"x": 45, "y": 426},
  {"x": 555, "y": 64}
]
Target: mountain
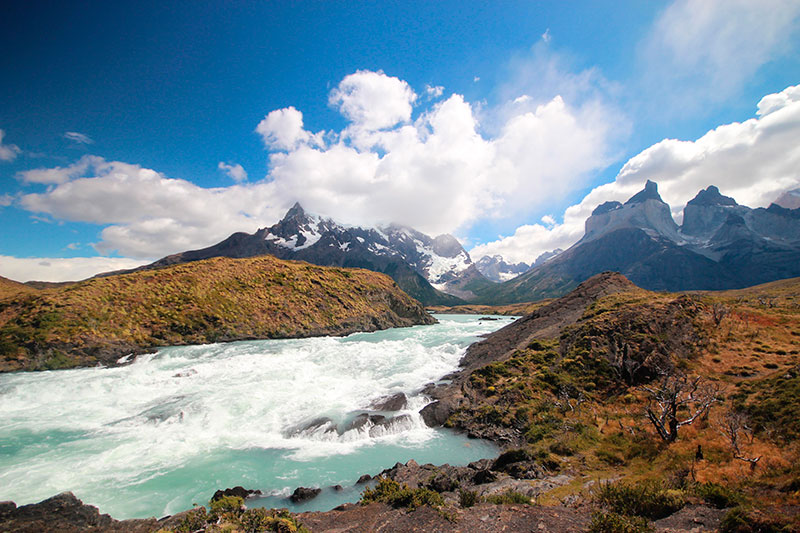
[
  {"x": 496, "y": 269},
  {"x": 219, "y": 299},
  {"x": 432, "y": 270},
  {"x": 721, "y": 245}
]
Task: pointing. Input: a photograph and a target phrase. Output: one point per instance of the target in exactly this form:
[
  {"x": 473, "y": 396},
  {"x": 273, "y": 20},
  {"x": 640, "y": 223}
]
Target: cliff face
[{"x": 221, "y": 299}]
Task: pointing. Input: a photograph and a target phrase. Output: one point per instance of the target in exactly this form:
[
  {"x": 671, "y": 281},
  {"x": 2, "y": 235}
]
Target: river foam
[{"x": 167, "y": 430}]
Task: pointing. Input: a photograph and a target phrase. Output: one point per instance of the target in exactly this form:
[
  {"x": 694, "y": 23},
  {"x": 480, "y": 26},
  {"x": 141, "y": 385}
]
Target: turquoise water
[{"x": 153, "y": 437}]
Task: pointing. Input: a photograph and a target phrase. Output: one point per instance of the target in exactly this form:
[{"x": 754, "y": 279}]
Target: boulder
[
  {"x": 239, "y": 491},
  {"x": 395, "y": 402},
  {"x": 304, "y": 494}
]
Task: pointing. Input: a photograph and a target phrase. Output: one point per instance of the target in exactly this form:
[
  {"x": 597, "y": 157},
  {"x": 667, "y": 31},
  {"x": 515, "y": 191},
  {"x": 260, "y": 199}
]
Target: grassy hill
[
  {"x": 574, "y": 401},
  {"x": 220, "y": 299},
  {"x": 10, "y": 288}
]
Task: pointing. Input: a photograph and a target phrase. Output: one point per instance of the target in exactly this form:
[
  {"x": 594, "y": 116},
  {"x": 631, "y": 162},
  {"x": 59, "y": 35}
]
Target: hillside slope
[
  {"x": 571, "y": 386},
  {"x": 221, "y": 299}
]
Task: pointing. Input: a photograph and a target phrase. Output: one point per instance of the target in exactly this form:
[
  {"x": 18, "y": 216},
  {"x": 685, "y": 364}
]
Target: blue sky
[{"x": 120, "y": 119}]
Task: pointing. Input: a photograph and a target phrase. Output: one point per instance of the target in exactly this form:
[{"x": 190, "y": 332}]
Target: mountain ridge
[{"x": 720, "y": 245}]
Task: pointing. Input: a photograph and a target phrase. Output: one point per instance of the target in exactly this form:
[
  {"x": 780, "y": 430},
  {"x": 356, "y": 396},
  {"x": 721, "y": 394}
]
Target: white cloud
[
  {"x": 8, "y": 152},
  {"x": 79, "y": 138},
  {"x": 434, "y": 92},
  {"x": 56, "y": 175},
  {"x": 440, "y": 174},
  {"x": 6, "y": 200},
  {"x": 701, "y": 52},
  {"x": 753, "y": 161},
  {"x": 61, "y": 269},
  {"x": 282, "y": 129},
  {"x": 152, "y": 215},
  {"x": 546, "y": 37},
  {"x": 373, "y": 100},
  {"x": 236, "y": 172},
  {"x": 549, "y": 220}
]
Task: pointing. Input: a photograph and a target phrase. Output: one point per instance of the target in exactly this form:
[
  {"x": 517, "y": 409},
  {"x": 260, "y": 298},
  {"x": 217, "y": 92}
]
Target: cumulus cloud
[
  {"x": 149, "y": 214},
  {"x": 79, "y": 138},
  {"x": 61, "y": 269},
  {"x": 441, "y": 173},
  {"x": 701, "y": 52},
  {"x": 8, "y": 152},
  {"x": 282, "y": 129},
  {"x": 753, "y": 161},
  {"x": 236, "y": 172},
  {"x": 373, "y": 100}
]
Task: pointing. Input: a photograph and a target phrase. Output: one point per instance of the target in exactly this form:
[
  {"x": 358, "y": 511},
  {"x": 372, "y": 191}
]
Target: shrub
[
  {"x": 467, "y": 498},
  {"x": 275, "y": 520},
  {"x": 391, "y": 492},
  {"x": 194, "y": 520},
  {"x": 744, "y": 520},
  {"x": 718, "y": 495},
  {"x": 648, "y": 499},
  {"x": 610, "y": 458},
  {"x": 618, "y": 523},
  {"x": 509, "y": 498},
  {"x": 227, "y": 507}
]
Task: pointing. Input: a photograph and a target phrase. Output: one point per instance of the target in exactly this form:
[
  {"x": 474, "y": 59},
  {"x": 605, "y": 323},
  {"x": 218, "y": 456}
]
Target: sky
[{"x": 130, "y": 131}]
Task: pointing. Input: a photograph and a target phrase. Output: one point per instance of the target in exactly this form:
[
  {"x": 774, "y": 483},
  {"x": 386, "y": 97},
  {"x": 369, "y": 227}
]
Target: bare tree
[
  {"x": 732, "y": 425},
  {"x": 673, "y": 393},
  {"x": 565, "y": 402}
]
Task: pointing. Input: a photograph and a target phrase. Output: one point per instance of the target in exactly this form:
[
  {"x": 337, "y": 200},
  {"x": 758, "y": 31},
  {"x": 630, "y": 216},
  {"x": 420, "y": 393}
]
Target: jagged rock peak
[
  {"x": 650, "y": 192},
  {"x": 606, "y": 207},
  {"x": 296, "y": 211},
  {"x": 711, "y": 196}
]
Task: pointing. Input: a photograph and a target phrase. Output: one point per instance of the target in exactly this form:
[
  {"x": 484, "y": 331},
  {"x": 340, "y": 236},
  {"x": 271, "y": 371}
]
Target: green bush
[
  {"x": 745, "y": 520},
  {"x": 391, "y": 492},
  {"x": 618, "y": 523},
  {"x": 274, "y": 520},
  {"x": 509, "y": 498},
  {"x": 648, "y": 499},
  {"x": 227, "y": 507},
  {"x": 467, "y": 498},
  {"x": 718, "y": 495},
  {"x": 194, "y": 520}
]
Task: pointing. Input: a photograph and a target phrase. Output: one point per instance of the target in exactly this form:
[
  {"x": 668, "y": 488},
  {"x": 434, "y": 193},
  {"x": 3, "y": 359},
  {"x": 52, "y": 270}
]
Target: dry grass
[
  {"x": 751, "y": 354},
  {"x": 206, "y": 301}
]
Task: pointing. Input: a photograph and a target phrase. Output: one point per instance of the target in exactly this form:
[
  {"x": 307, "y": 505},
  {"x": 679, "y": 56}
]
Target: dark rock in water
[
  {"x": 395, "y": 402},
  {"x": 362, "y": 419},
  {"x": 363, "y": 479},
  {"x": 388, "y": 424},
  {"x": 239, "y": 491},
  {"x": 337, "y": 488},
  {"x": 435, "y": 414},
  {"x": 185, "y": 373},
  {"x": 488, "y": 318},
  {"x": 315, "y": 425},
  {"x": 304, "y": 494}
]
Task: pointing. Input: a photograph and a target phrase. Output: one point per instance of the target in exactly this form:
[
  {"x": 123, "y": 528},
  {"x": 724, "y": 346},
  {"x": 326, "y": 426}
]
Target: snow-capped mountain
[
  {"x": 424, "y": 267},
  {"x": 497, "y": 269}
]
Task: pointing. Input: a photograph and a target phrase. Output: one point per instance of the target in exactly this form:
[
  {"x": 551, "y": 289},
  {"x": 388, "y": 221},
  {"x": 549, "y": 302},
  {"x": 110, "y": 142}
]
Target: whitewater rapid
[{"x": 165, "y": 431}]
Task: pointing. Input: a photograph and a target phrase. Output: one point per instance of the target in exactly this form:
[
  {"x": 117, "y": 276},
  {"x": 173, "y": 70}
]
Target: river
[{"x": 154, "y": 437}]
